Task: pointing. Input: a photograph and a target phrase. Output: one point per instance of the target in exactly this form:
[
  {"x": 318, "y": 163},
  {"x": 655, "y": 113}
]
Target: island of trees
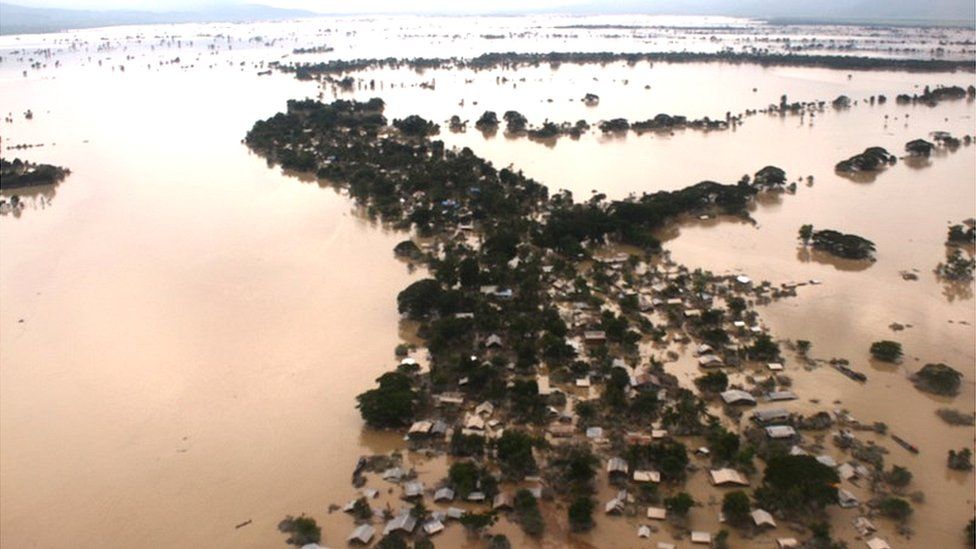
[
  {"x": 847, "y": 246},
  {"x": 511, "y": 60},
  {"x": 21, "y": 173}
]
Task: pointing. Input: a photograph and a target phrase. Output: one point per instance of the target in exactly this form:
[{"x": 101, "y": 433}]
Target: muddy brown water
[{"x": 183, "y": 330}]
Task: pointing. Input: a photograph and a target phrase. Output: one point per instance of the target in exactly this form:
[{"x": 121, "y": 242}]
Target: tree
[
  {"x": 499, "y": 541},
  {"x": 940, "y": 379},
  {"x": 581, "y": 514},
  {"x": 392, "y": 404},
  {"x": 420, "y": 299},
  {"x": 886, "y": 351},
  {"x": 466, "y": 477},
  {"x": 795, "y": 484},
  {"x": 361, "y": 509},
  {"x": 961, "y": 460},
  {"x": 737, "y": 306},
  {"x": 712, "y": 382},
  {"x": 476, "y": 522},
  {"x": 575, "y": 468},
  {"x": 736, "y": 507},
  {"x": 971, "y": 532},
  {"x": 392, "y": 541},
  {"x": 803, "y": 347},
  {"x": 515, "y": 458},
  {"x": 527, "y": 513},
  {"x": 721, "y": 540},
  {"x": 680, "y": 504},
  {"x": 723, "y": 444},
  {"x": 895, "y": 508},
  {"x": 527, "y": 405},
  {"x": 644, "y": 405},
  {"x": 463, "y": 445},
  {"x": 303, "y": 530},
  {"x": 899, "y": 477},
  {"x": 764, "y": 348},
  {"x": 806, "y": 233}
]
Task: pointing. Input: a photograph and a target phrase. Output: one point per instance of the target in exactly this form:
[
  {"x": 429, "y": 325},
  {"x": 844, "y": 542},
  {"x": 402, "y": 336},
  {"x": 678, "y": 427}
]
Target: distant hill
[
  {"x": 958, "y": 12},
  {"x": 16, "y": 19}
]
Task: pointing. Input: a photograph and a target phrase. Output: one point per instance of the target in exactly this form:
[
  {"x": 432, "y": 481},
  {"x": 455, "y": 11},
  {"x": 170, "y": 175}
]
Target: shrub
[
  {"x": 886, "y": 351},
  {"x": 303, "y": 530}
]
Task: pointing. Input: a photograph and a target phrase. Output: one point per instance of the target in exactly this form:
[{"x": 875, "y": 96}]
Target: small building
[
  {"x": 493, "y": 340},
  {"x": 502, "y": 501},
  {"x": 827, "y": 460},
  {"x": 420, "y": 429},
  {"x": 486, "y": 408},
  {"x": 404, "y": 522},
  {"x": 561, "y": 431},
  {"x": 594, "y": 432},
  {"x": 878, "y": 543},
  {"x": 775, "y": 366},
  {"x": 543, "y": 384},
  {"x": 643, "y": 531},
  {"x": 444, "y": 494},
  {"x": 474, "y": 422},
  {"x": 698, "y": 536},
  {"x": 864, "y": 526},
  {"x": 771, "y": 415},
  {"x": 647, "y": 476},
  {"x": 762, "y": 518},
  {"x": 787, "y": 543},
  {"x": 736, "y": 396},
  {"x": 455, "y": 513},
  {"x": 616, "y": 465},
  {"x": 476, "y": 496},
  {"x": 727, "y": 477},
  {"x": 414, "y": 489},
  {"x": 710, "y": 361},
  {"x": 780, "y": 432},
  {"x": 779, "y": 396},
  {"x": 433, "y": 526},
  {"x": 583, "y": 382},
  {"x": 614, "y": 506},
  {"x": 846, "y": 499},
  {"x": 393, "y": 473},
  {"x": 451, "y": 399},
  {"x": 363, "y": 534},
  {"x": 594, "y": 336},
  {"x": 657, "y": 513}
]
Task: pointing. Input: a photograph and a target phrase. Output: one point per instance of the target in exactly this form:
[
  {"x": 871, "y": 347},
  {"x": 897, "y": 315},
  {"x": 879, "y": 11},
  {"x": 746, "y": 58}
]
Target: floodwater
[{"x": 183, "y": 330}]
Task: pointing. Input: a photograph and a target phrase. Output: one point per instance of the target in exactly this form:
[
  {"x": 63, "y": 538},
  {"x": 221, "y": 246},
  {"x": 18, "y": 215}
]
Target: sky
[{"x": 930, "y": 9}]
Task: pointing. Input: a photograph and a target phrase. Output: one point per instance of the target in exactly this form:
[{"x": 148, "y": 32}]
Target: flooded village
[{"x": 685, "y": 282}]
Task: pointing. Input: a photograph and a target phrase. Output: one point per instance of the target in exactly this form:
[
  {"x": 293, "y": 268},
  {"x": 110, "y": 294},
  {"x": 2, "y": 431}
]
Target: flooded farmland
[{"x": 184, "y": 327}]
